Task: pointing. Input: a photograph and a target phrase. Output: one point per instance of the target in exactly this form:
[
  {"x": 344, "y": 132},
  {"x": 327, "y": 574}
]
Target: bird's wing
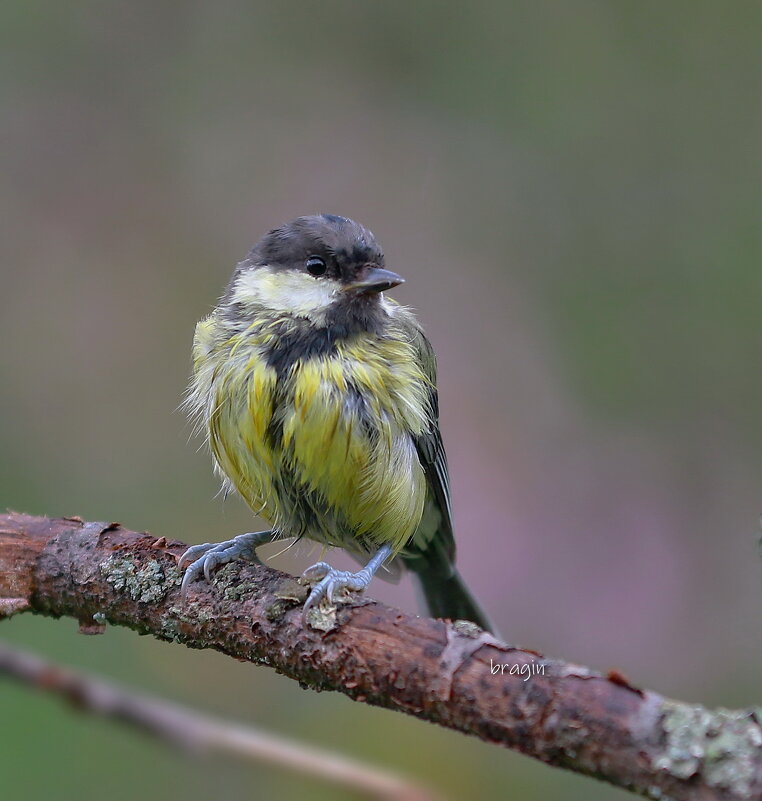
[{"x": 432, "y": 455}]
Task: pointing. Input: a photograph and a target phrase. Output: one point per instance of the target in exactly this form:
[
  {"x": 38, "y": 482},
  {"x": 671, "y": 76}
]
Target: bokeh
[{"x": 573, "y": 191}]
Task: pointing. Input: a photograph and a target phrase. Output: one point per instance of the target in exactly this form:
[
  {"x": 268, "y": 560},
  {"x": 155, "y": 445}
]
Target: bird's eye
[{"x": 315, "y": 266}]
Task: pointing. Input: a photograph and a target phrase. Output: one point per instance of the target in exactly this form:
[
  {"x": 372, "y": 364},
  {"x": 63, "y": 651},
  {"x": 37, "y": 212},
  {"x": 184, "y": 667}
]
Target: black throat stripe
[
  {"x": 293, "y": 345},
  {"x": 299, "y": 340}
]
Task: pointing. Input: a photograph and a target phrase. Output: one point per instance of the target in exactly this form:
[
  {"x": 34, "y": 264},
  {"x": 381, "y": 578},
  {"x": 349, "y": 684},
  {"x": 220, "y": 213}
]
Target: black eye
[{"x": 315, "y": 266}]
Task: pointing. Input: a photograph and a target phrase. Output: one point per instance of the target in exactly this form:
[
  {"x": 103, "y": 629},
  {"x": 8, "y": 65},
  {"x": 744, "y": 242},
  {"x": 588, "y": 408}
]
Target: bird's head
[{"x": 313, "y": 267}]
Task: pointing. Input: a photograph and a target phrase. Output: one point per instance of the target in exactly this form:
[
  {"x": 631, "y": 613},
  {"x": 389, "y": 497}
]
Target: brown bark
[{"x": 562, "y": 714}]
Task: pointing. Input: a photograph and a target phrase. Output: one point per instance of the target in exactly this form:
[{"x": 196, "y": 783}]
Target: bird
[{"x": 317, "y": 396}]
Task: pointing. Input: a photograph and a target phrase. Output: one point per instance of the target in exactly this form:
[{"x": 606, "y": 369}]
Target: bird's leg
[
  {"x": 205, "y": 558},
  {"x": 329, "y": 580}
]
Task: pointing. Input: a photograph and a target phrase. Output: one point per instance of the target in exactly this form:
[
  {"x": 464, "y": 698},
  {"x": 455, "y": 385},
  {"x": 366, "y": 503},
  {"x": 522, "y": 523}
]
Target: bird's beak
[{"x": 374, "y": 279}]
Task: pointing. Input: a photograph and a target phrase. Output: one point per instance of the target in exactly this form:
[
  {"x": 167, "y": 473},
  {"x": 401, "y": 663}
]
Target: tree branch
[
  {"x": 562, "y": 714},
  {"x": 192, "y": 731}
]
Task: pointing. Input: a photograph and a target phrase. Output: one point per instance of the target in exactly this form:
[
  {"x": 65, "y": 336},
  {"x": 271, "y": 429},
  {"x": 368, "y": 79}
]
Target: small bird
[{"x": 318, "y": 398}]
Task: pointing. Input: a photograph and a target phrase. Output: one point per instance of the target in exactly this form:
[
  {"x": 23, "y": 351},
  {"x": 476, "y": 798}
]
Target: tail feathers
[{"x": 447, "y": 596}]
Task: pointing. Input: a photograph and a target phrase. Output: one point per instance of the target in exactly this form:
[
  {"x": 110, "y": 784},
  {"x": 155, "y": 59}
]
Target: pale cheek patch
[{"x": 286, "y": 291}]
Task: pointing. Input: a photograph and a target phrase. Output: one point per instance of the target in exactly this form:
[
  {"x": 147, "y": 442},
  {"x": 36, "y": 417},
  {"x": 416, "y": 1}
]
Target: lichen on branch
[{"x": 443, "y": 672}]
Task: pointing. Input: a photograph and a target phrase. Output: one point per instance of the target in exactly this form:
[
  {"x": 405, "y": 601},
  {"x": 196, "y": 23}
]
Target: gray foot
[
  {"x": 205, "y": 558},
  {"x": 331, "y": 581}
]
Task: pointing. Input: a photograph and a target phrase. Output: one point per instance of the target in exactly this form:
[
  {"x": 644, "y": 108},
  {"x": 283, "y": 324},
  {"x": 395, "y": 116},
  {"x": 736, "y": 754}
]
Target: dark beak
[{"x": 374, "y": 279}]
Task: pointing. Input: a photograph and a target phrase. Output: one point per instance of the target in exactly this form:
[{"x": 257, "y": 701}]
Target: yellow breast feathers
[{"x": 339, "y": 427}]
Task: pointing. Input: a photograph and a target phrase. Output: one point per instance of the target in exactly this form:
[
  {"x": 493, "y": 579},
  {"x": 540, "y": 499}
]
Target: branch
[
  {"x": 198, "y": 733},
  {"x": 446, "y": 673}
]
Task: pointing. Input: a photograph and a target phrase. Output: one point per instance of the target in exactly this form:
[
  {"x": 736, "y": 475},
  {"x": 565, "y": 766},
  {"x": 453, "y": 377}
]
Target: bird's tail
[{"x": 446, "y": 595}]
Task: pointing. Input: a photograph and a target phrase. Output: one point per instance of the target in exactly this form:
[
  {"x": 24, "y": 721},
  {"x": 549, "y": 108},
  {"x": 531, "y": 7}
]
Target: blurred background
[{"x": 573, "y": 192}]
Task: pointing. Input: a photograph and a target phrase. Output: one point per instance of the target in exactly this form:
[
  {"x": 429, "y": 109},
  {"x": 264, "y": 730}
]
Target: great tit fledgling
[{"x": 318, "y": 397}]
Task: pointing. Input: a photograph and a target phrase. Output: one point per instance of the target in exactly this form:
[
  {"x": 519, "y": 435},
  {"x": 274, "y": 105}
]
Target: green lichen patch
[
  {"x": 191, "y": 613},
  {"x": 467, "y": 628},
  {"x": 234, "y": 592},
  {"x": 721, "y": 745},
  {"x": 146, "y": 583},
  {"x": 322, "y": 617},
  {"x": 227, "y": 582},
  {"x": 276, "y": 610},
  {"x": 170, "y": 625}
]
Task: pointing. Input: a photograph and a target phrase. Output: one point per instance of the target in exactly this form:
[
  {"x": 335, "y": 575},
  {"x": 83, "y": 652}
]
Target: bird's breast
[{"x": 336, "y": 430}]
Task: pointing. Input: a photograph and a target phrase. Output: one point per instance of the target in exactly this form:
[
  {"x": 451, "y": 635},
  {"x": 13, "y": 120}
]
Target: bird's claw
[
  {"x": 207, "y": 557},
  {"x": 330, "y": 582},
  {"x": 316, "y": 572}
]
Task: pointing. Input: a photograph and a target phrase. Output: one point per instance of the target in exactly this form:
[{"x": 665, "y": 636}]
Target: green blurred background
[{"x": 573, "y": 191}]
